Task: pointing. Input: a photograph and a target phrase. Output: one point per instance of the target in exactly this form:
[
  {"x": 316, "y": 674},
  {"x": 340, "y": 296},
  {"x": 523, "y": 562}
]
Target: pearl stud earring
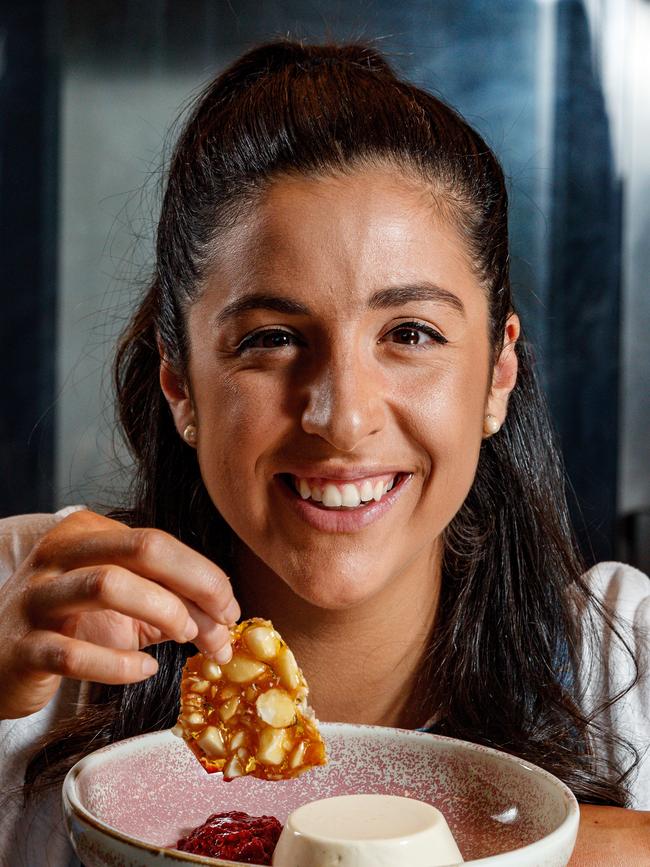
[
  {"x": 189, "y": 434},
  {"x": 491, "y": 425}
]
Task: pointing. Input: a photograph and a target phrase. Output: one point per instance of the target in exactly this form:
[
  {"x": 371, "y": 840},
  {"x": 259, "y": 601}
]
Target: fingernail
[
  {"x": 149, "y": 666},
  {"x": 232, "y": 612},
  {"x": 223, "y": 655},
  {"x": 191, "y": 630}
]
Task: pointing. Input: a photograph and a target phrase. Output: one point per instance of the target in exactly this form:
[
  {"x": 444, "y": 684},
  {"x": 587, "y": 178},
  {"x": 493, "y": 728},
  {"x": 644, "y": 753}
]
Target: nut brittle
[{"x": 250, "y": 715}]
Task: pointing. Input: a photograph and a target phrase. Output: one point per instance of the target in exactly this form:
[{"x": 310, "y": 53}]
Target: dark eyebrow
[
  {"x": 393, "y": 296},
  {"x": 261, "y": 301}
]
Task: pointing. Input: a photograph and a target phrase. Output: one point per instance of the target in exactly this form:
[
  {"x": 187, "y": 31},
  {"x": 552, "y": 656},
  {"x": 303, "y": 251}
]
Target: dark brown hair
[{"x": 515, "y": 612}]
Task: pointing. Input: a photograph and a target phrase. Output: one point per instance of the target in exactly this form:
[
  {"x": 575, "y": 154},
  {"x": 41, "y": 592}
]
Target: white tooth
[
  {"x": 317, "y": 494},
  {"x": 390, "y": 484},
  {"x": 332, "y": 496},
  {"x": 367, "y": 492},
  {"x": 304, "y": 489},
  {"x": 350, "y": 496},
  {"x": 378, "y": 491}
]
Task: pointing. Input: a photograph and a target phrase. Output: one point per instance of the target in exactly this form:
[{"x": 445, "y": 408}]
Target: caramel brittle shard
[{"x": 250, "y": 716}]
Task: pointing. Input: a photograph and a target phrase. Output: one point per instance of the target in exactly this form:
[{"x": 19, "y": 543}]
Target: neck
[{"x": 361, "y": 663}]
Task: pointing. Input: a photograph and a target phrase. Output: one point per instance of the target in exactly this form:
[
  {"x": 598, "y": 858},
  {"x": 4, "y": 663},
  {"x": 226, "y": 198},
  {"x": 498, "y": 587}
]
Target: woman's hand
[
  {"x": 612, "y": 837},
  {"x": 90, "y": 595}
]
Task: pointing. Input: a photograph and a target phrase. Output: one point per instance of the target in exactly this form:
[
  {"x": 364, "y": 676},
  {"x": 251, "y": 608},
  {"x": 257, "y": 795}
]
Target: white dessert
[{"x": 366, "y": 831}]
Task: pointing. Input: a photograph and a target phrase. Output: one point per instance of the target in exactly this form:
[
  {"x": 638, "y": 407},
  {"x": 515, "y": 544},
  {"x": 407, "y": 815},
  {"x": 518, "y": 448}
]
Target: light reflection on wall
[{"x": 113, "y": 133}]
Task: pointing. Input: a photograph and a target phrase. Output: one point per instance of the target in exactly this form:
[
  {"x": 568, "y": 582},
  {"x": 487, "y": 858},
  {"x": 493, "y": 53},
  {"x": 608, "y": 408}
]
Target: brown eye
[
  {"x": 270, "y": 339},
  {"x": 409, "y": 334},
  {"x": 274, "y": 339}
]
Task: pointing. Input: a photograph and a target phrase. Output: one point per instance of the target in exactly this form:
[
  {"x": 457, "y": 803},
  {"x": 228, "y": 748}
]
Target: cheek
[
  {"x": 238, "y": 421},
  {"x": 447, "y": 419}
]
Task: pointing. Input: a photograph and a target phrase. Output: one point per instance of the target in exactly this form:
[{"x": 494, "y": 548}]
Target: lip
[
  {"x": 344, "y": 473},
  {"x": 341, "y": 520}
]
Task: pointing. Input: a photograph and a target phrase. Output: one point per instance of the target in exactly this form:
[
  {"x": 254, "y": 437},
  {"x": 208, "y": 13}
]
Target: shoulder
[
  {"x": 616, "y": 666},
  {"x": 625, "y": 594},
  {"x": 624, "y": 590},
  {"x": 19, "y": 534}
]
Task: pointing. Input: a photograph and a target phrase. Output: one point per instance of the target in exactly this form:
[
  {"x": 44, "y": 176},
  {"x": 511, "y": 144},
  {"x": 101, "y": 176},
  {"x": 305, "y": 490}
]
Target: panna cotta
[{"x": 366, "y": 831}]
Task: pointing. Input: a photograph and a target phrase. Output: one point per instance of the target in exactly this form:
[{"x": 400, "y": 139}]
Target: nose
[{"x": 345, "y": 402}]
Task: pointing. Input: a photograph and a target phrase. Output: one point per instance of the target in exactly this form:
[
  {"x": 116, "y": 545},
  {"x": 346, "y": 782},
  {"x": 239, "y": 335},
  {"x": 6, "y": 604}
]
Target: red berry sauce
[{"x": 235, "y": 836}]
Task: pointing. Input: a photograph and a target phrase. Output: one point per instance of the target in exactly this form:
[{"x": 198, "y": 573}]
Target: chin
[
  {"x": 346, "y": 581},
  {"x": 334, "y": 593}
]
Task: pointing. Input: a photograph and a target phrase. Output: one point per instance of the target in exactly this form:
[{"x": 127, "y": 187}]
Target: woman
[{"x": 330, "y": 404}]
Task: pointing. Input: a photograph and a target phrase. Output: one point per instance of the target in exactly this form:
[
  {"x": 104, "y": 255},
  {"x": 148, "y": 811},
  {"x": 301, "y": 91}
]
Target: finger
[
  {"x": 113, "y": 588},
  {"x": 153, "y": 554},
  {"x": 213, "y": 639},
  {"x": 84, "y": 520},
  {"x": 45, "y": 652}
]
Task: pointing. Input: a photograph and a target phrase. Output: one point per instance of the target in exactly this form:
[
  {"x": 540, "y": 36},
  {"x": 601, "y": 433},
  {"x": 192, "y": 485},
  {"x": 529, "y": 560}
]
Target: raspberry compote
[{"x": 235, "y": 836}]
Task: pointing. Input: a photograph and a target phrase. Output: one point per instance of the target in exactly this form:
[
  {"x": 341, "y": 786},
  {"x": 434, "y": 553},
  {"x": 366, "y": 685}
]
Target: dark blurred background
[{"x": 560, "y": 89}]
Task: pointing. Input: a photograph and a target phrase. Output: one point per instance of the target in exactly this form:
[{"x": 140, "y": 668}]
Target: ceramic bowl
[{"x": 127, "y": 804}]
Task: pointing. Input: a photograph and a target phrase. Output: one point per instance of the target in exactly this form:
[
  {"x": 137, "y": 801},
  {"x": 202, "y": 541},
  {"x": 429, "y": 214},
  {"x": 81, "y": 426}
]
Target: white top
[{"x": 36, "y": 836}]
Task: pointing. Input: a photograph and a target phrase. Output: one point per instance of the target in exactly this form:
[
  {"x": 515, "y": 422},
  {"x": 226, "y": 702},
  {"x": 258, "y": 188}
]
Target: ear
[
  {"x": 176, "y": 393},
  {"x": 504, "y": 375}
]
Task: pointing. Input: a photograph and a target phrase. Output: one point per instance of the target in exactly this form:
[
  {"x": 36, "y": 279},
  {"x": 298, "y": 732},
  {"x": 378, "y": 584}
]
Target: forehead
[{"x": 342, "y": 237}]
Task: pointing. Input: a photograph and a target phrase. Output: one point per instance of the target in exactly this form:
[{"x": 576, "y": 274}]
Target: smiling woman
[
  {"x": 358, "y": 379},
  {"x": 329, "y": 399}
]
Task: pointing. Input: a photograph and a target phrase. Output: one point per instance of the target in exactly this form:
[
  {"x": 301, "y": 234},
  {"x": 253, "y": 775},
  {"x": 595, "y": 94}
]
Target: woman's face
[{"x": 342, "y": 339}]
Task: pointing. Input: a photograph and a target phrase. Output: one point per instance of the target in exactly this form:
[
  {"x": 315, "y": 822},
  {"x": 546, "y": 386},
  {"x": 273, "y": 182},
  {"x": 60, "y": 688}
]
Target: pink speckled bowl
[{"x": 126, "y": 804}]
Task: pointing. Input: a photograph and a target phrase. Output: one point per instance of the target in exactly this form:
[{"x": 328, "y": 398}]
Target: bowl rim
[{"x": 567, "y": 826}]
